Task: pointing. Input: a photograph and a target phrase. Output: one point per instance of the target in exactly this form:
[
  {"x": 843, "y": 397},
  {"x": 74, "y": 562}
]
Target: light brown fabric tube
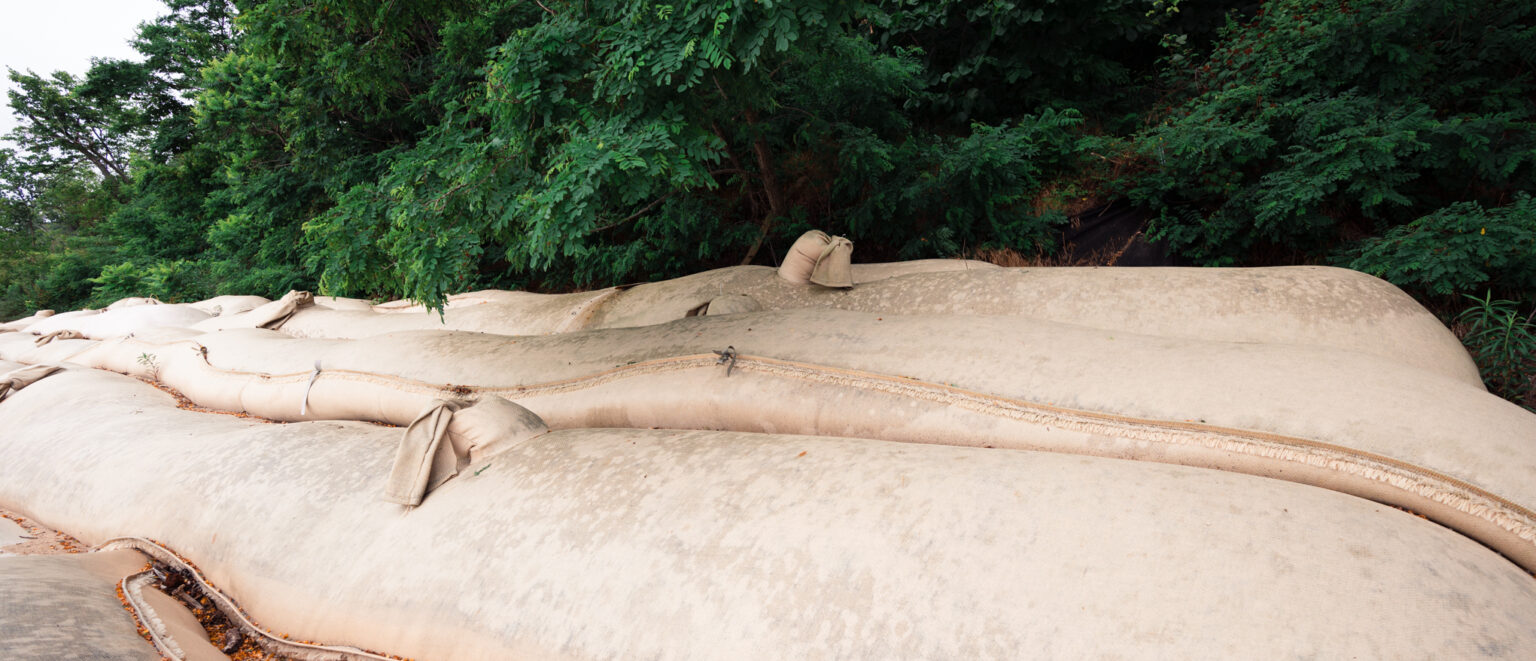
[{"x": 272, "y": 315}]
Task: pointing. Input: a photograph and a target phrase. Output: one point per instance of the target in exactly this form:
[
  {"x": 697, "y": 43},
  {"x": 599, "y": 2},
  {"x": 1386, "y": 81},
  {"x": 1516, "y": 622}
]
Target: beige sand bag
[
  {"x": 819, "y": 259},
  {"x": 618, "y": 544},
  {"x": 22, "y": 323},
  {"x": 730, "y": 304},
  {"x": 339, "y": 303},
  {"x": 505, "y": 312},
  {"x": 224, "y": 306},
  {"x": 274, "y": 314},
  {"x": 270, "y": 315},
  {"x": 1315, "y": 306},
  {"x": 94, "y": 606},
  {"x": 42, "y": 325},
  {"x": 23, "y": 348}
]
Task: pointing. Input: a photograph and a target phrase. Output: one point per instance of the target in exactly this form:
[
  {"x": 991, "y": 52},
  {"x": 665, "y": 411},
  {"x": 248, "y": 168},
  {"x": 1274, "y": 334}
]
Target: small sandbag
[
  {"x": 423, "y": 461},
  {"x": 490, "y": 425},
  {"x": 817, "y": 258},
  {"x": 835, "y": 267}
]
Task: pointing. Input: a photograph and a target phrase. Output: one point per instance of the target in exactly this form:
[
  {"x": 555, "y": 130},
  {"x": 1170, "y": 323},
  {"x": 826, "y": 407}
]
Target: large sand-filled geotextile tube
[
  {"x": 1327, "y": 417},
  {"x": 623, "y": 544},
  {"x": 1299, "y": 305},
  {"x": 122, "y": 321},
  {"x": 1313, "y": 306}
]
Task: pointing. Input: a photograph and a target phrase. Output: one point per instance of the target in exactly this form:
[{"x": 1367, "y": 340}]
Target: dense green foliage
[
  {"x": 1504, "y": 345},
  {"x": 1316, "y": 121},
  {"x": 420, "y": 147}
]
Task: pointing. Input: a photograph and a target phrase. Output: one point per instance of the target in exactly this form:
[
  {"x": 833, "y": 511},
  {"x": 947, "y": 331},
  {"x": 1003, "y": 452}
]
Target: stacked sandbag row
[
  {"x": 619, "y": 544},
  {"x": 1328, "y": 417}
]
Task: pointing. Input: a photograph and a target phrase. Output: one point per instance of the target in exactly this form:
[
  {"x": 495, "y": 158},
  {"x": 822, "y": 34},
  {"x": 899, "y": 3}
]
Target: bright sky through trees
[{"x": 65, "y": 34}]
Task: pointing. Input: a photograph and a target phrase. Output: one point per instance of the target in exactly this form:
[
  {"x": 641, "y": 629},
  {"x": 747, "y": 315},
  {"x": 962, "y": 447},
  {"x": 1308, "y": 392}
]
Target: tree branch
[
  {"x": 637, "y": 214},
  {"x": 770, "y": 188}
]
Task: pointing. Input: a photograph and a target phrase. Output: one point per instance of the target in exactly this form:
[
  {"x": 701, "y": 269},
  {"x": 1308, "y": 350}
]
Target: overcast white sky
[{"x": 51, "y": 35}]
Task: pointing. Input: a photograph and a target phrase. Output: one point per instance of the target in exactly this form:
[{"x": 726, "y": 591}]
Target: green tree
[
  {"x": 66, "y": 120},
  {"x": 20, "y": 186},
  {"x": 1319, "y": 122}
]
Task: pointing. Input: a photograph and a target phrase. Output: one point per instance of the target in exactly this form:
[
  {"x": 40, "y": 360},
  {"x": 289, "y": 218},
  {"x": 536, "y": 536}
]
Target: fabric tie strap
[{"x": 303, "y": 405}]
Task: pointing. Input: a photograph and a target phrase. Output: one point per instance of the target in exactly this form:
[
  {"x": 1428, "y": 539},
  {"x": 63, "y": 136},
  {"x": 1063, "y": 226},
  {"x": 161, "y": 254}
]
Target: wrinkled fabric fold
[
  {"x": 17, "y": 379},
  {"x": 58, "y": 335},
  {"x": 274, "y": 314},
  {"x": 423, "y": 460}
]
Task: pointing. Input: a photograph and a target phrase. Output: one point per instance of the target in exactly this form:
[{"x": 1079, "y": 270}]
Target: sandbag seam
[{"x": 132, "y": 587}]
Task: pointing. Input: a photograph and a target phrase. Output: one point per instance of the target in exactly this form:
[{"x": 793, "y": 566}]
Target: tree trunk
[{"x": 770, "y": 188}]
